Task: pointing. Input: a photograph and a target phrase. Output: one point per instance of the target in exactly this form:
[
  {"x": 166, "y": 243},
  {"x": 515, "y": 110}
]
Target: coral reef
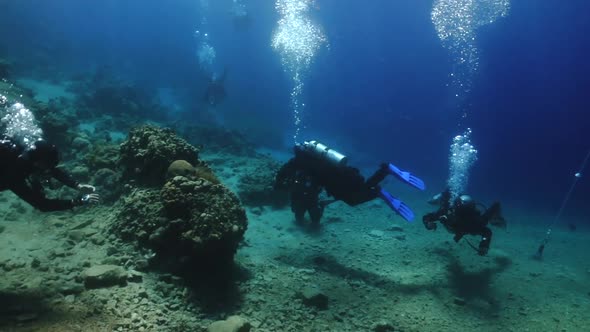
[
  {"x": 148, "y": 152},
  {"x": 102, "y": 156},
  {"x": 184, "y": 168},
  {"x": 255, "y": 187},
  {"x": 105, "y": 95},
  {"x": 218, "y": 139},
  {"x": 58, "y": 119},
  {"x": 189, "y": 223}
]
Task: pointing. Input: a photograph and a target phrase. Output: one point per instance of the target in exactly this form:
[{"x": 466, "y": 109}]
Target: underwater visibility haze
[{"x": 294, "y": 165}]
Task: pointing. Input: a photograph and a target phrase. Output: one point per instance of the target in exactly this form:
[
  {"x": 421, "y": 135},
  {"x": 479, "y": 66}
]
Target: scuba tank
[{"x": 323, "y": 152}]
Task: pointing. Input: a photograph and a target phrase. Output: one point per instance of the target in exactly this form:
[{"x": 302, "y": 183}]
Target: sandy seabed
[{"x": 378, "y": 273}]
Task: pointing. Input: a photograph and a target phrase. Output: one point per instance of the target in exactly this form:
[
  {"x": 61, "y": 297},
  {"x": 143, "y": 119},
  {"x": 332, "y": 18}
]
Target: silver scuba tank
[{"x": 323, "y": 152}]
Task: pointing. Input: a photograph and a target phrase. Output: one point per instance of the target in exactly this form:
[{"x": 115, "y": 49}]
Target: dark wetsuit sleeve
[
  {"x": 38, "y": 200},
  {"x": 64, "y": 177},
  {"x": 285, "y": 174}
]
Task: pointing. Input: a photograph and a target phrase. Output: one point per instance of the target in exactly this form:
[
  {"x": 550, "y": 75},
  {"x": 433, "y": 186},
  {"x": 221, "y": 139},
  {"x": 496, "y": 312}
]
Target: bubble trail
[
  {"x": 297, "y": 40},
  {"x": 456, "y": 23},
  {"x": 19, "y": 123},
  {"x": 461, "y": 157}
]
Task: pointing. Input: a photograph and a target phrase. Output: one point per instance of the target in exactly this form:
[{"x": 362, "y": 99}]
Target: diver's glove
[
  {"x": 86, "y": 200},
  {"x": 429, "y": 222},
  {"x": 85, "y": 188}
]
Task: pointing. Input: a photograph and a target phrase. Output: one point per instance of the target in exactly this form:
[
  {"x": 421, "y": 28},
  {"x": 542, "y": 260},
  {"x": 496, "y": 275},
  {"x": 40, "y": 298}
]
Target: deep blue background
[{"x": 377, "y": 92}]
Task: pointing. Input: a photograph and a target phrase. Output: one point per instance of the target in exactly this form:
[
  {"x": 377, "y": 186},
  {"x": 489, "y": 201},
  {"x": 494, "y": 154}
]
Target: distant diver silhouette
[{"x": 215, "y": 93}]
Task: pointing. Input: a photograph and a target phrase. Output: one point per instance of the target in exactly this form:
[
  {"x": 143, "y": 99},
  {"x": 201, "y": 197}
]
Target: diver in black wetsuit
[
  {"x": 19, "y": 168},
  {"x": 215, "y": 93},
  {"x": 315, "y": 166},
  {"x": 464, "y": 216},
  {"x": 304, "y": 192}
]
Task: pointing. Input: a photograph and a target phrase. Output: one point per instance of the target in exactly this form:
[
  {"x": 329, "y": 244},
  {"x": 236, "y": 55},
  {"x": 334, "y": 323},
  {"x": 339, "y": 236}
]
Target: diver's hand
[
  {"x": 87, "y": 199},
  {"x": 430, "y": 225},
  {"x": 86, "y": 189}
]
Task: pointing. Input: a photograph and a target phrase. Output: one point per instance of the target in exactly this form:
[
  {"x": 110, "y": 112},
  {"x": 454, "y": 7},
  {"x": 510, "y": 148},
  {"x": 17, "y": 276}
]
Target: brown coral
[{"x": 149, "y": 151}]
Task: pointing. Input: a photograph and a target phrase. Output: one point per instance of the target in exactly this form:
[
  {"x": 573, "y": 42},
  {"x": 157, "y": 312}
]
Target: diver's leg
[
  {"x": 298, "y": 207},
  {"x": 316, "y": 210},
  {"x": 486, "y": 239},
  {"x": 378, "y": 176}
]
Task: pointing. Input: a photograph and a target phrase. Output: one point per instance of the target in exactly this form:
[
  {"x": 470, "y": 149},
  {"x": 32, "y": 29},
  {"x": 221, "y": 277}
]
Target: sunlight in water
[
  {"x": 456, "y": 23},
  {"x": 462, "y": 155},
  {"x": 297, "y": 39}
]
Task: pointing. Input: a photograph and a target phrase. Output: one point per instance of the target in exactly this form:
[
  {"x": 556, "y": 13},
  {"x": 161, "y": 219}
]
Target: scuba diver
[
  {"x": 240, "y": 15},
  {"x": 21, "y": 167},
  {"x": 465, "y": 216},
  {"x": 316, "y": 167},
  {"x": 215, "y": 92}
]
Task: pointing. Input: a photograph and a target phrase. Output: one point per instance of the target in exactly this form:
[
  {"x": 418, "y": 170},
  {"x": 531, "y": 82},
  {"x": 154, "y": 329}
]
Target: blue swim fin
[
  {"x": 396, "y": 205},
  {"x": 406, "y": 177}
]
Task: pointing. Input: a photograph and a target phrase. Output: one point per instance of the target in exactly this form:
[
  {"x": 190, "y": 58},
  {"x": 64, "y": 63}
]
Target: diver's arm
[
  {"x": 65, "y": 178},
  {"x": 285, "y": 175},
  {"x": 38, "y": 200}
]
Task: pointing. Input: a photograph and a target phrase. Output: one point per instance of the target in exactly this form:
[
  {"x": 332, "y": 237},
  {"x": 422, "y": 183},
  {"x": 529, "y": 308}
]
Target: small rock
[
  {"x": 401, "y": 237},
  {"x": 142, "y": 294},
  {"x": 141, "y": 264},
  {"x": 80, "y": 143},
  {"x": 72, "y": 288},
  {"x": 396, "y": 229},
  {"x": 111, "y": 261},
  {"x": 459, "y": 301},
  {"x": 112, "y": 251},
  {"x": 134, "y": 276},
  {"x": 76, "y": 236},
  {"x": 314, "y": 297},
  {"x": 231, "y": 324},
  {"x": 98, "y": 240},
  {"x": 376, "y": 233},
  {"x": 35, "y": 263},
  {"x": 104, "y": 276},
  {"x": 80, "y": 172}
]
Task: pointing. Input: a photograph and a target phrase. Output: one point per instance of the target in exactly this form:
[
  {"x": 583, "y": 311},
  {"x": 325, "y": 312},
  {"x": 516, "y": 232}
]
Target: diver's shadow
[
  {"x": 16, "y": 303},
  {"x": 19, "y": 307},
  {"x": 474, "y": 286},
  {"x": 213, "y": 288},
  {"x": 330, "y": 265}
]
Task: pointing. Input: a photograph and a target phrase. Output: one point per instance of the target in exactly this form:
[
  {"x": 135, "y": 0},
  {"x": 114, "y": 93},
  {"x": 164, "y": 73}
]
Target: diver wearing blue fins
[{"x": 316, "y": 167}]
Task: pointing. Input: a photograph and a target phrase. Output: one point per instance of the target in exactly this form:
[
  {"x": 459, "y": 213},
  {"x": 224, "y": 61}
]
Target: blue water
[{"x": 377, "y": 92}]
